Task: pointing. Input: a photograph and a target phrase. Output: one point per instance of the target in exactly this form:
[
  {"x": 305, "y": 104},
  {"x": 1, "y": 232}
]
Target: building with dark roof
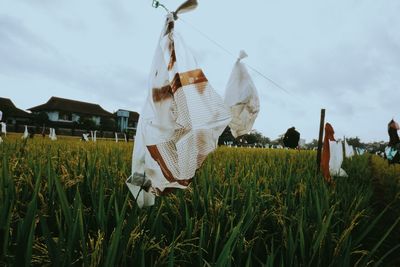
[
  {"x": 67, "y": 110},
  {"x": 127, "y": 120},
  {"x": 12, "y": 114}
]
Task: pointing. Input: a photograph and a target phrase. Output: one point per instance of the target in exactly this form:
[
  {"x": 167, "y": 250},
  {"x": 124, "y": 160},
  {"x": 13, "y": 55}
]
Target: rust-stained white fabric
[
  {"x": 242, "y": 98},
  {"x": 180, "y": 122},
  {"x": 336, "y": 159},
  {"x": 396, "y": 126}
]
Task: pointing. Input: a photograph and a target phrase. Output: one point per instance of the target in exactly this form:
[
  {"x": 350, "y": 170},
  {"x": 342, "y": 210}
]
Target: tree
[
  {"x": 226, "y": 136},
  {"x": 312, "y": 144},
  {"x": 355, "y": 142},
  {"x": 278, "y": 141},
  {"x": 256, "y": 137},
  {"x": 87, "y": 123},
  {"x": 252, "y": 138},
  {"x": 108, "y": 124}
]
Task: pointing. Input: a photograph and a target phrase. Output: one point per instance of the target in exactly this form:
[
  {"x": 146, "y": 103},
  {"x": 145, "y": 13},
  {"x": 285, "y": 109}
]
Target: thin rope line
[
  {"x": 209, "y": 38},
  {"x": 231, "y": 54},
  {"x": 268, "y": 79},
  {"x": 157, "y": 4}
]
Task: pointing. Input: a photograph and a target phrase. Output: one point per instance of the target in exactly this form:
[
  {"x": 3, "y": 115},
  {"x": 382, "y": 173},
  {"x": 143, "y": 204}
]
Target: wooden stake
[{"x": 321, "y": 133}]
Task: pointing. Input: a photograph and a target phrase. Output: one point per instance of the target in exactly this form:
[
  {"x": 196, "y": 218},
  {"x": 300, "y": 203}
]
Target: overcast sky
[{"x": 342, "y": 55}]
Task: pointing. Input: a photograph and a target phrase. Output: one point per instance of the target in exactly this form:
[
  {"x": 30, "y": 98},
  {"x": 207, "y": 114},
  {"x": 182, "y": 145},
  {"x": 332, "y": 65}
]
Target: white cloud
[{"x": 338, "y": 55}]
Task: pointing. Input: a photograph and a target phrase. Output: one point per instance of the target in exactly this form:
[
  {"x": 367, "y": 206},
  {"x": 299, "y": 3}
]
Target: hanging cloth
[
  {"x": 242, "y": 98},
  {"x": 360, "y": 151},
  {"x": 390, "y": 152},
  {"x": 180, "y": 122},
  {"x": 3, "y": 128},
  {"x": 26, "y": 133},
  {"x": 329, "y": 132},
  {"x": 52, "y": 134},
  {"x": 85, "y": 137},
  {"x": 349, "y": 150},
  {"x": 302, "y": 143},
  {"x": 336, "y": 159},
  {"x": 332, "y": 155}
]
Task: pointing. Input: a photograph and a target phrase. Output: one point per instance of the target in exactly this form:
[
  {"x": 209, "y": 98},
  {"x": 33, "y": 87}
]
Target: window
[{"x": 64, "y": 116}]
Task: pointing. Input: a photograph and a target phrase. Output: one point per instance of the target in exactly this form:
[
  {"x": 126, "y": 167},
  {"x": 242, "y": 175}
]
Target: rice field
[{"x": 65, "y": 203}]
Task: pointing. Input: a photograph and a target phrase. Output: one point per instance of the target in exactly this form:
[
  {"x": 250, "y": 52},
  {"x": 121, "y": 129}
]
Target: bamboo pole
[{"x": 321, "y": 133}]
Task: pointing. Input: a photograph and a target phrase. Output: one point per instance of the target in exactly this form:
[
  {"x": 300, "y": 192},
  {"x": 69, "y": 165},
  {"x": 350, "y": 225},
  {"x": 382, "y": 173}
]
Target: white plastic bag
[
  {"x": 360, "y": 151},
  {"x": 52, "y": 134},
  {"x": 302, "y": 143},
  {"x": 242, "y": 98},
  {"x": 390, "y": 152},
  {"x": 26, "y": 134},
  {"x": 85, "y": 137},
  {"x": 3, "y": 128},
  {"x": 336, "y": 159},
  {"x": 180, "y": 123}
]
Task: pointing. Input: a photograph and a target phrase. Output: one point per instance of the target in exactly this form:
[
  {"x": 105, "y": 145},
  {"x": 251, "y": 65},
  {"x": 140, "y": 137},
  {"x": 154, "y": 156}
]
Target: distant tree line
[{"x": 256, "y": 138}]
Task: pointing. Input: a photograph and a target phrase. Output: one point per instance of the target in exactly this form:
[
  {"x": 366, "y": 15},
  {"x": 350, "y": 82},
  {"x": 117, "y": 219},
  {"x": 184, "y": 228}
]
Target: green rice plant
[{"x": 65, "y": 203}]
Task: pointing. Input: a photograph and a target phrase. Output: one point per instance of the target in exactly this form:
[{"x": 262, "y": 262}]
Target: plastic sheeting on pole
[
  {"x": 52, "y": 134},
  {"x": 336, "y": 159},
  {"x": 390, "y": 152},
  {"x": 242, "y": 98},
  {"x": 3, "y": 128},
  {"x": 348, "y": 150},
  {"x": 325, "y": 158},
  {"x": 26, "y": 133},
  {"x": 360, "y": 151},
  {"x": 85, "y": 137},
  {"x": 332, "y": 155},
  {"x": 302, "y": 143},
  {"x": 180, "y": 123}
]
